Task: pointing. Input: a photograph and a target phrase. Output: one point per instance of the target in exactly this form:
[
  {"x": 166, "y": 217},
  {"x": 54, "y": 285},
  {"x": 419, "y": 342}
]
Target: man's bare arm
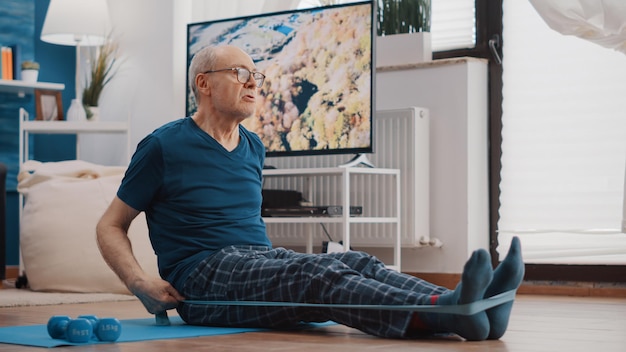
[{"x": 157, "y": 295}]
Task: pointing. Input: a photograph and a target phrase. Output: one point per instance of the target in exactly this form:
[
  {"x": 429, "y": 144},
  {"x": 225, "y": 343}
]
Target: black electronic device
[
  {"x": 278, "y": 198},
  {"x": 320, "y": 210}
]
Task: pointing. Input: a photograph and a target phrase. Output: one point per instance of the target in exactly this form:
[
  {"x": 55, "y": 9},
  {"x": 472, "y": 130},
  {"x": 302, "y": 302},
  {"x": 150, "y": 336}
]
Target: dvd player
[{"x": 322, "y": 210}]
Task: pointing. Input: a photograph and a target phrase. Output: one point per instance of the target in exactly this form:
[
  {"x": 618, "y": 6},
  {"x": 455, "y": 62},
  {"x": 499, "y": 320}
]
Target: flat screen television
[{"x": 318, "y": 95}]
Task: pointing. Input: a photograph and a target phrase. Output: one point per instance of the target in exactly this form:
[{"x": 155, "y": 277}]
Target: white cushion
[{"x": 63, "y": 203}]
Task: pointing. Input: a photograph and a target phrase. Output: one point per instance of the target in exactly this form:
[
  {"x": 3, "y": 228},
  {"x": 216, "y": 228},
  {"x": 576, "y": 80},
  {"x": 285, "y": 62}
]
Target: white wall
[
  {"x": 456, "y": 95},
  {"x": 149, "y": 88}
]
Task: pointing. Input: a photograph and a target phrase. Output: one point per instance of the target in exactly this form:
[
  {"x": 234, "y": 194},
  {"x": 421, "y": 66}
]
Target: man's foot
[
  {"x": 477, "y": 275},
  {"x": 507, "y": 276}
]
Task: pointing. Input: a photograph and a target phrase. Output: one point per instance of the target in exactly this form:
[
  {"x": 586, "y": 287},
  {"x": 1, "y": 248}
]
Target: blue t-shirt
[{"x": 198, "y": 197}]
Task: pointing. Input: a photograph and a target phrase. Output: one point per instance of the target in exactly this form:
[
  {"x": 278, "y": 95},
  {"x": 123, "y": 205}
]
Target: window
[{"x": 563, "y": 143}]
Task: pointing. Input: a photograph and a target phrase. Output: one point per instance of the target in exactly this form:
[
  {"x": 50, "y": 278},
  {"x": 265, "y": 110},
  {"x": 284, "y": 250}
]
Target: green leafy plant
[
  {"x": 30, "y": 65},
  {"x": 101, "y": 70},
  {"x": 403, "y": 16}
]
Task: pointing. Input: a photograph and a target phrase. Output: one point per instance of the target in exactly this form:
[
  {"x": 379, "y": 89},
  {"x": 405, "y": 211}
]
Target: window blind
[
  {"x": 453, "y": 24},
  {"x": 563, "y": 144}
]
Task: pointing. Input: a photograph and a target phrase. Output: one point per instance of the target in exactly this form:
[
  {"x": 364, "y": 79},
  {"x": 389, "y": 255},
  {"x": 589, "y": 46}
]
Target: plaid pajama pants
[{"x": 257, "y": 273}]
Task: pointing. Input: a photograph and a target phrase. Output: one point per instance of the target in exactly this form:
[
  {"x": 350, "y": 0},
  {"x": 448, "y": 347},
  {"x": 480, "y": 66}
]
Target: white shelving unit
[
  {"x": 343, "y": 175},
  {"x": 28, "y": 127},
  {"x": 21, "y": 88}
]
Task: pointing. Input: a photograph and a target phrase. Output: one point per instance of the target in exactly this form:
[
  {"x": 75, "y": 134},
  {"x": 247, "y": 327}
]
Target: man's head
[{"x": 224, "y": 77}]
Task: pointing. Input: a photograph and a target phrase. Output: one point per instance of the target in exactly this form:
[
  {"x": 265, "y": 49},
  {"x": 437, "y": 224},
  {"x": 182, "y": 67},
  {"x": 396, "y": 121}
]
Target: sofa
[{"x": 63, "y": 202}]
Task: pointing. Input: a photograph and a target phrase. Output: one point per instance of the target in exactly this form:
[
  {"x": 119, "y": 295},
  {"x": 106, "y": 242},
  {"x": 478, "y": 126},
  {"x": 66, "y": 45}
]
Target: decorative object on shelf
[
  {"x": 76, "y": 112},
  {"x": 76, "y": 23},
  {"x": 48, "y": 105},
  {"x": 403, "y": 28},
  {"x": 102, "y": 70},
  {"x": 30, "y": 71},
  {"x": 93, "y": 112}
]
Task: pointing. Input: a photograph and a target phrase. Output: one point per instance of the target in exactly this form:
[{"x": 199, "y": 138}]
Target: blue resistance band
[{"x": 459, "y": 309}]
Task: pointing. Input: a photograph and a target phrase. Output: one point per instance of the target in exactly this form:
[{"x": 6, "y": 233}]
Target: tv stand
[
  {"x": 359, "y": 159},
  {"x": 345, "y": 181}
]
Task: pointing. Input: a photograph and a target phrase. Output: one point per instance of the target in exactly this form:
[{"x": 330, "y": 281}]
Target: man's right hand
[{"x": 155, "y": 294}]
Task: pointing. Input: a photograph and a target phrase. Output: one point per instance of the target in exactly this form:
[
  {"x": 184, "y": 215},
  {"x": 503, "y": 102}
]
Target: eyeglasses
[{"x": 243, "y": 75}]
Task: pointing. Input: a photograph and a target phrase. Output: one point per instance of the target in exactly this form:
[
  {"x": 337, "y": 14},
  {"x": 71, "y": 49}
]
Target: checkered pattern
[{"x": 256, "y": 273}]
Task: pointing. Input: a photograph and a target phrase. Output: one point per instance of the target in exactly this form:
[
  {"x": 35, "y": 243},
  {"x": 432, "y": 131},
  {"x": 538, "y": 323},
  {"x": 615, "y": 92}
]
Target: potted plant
[
  {"x": 30, "y": 71},
  {"x": 403, "y": 16},
  {"x": 101, "y": 70},
  {"x": 403, "y": 28}
]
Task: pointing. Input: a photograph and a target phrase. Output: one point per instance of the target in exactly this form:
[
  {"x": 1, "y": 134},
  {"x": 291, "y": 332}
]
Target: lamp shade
[{"x": 72, "y": 22}]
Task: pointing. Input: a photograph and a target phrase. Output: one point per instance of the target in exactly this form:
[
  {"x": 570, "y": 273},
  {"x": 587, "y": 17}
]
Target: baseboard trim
[{"x": 578, "y": 289}]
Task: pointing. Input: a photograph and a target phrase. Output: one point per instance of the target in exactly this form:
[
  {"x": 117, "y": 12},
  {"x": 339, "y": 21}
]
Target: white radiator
[{"x": 401, "y": 141}]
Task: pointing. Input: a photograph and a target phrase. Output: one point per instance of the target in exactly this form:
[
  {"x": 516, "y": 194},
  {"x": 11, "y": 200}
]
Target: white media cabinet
[{"x": 344, "y": 179}]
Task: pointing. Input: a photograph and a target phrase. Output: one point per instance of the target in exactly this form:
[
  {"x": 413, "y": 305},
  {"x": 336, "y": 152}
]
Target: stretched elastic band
[{"x": 459, "y": 309}]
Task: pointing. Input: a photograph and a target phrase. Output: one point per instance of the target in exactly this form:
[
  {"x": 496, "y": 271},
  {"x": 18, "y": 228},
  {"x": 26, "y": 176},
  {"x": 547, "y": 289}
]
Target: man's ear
[{"x": 202, "y": 83}]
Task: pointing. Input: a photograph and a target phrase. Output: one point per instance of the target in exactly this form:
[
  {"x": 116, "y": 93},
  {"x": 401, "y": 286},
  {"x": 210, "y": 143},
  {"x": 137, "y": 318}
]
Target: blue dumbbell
[
  {"x": 79, "y": 330},
  {"x": 57, "y": 326},
  {"x": 73, "y": 330},
  {"x": 82, "y": 329},
  {"x": 108, "y": 329},
  {"x": 94, "y": 323}
]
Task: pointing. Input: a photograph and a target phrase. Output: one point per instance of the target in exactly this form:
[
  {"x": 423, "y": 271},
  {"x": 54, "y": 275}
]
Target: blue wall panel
[
  {"x": 21, "y": 22},
  {"x": 17, "y": 27}
]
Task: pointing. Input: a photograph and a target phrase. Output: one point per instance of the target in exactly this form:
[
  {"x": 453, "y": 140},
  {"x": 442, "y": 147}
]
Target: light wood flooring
[{"x": 538, "y": 323}]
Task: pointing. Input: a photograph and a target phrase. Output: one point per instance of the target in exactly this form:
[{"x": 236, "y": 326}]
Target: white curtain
[{"x": 564, "y": 143}]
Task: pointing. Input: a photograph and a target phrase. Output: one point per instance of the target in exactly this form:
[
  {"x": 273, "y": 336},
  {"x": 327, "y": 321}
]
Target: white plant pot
[
  {"x": 403, "y": 49},
  {"x": 30, "y": 75},
  {"x": 93, "y": 113}
]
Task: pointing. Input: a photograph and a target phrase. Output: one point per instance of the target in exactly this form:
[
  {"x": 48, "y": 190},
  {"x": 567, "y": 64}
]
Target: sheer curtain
[{"x": 564, "y": 143}]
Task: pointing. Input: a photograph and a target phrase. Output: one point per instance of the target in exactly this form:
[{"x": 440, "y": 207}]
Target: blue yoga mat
[{"x": 132, "y": 330}]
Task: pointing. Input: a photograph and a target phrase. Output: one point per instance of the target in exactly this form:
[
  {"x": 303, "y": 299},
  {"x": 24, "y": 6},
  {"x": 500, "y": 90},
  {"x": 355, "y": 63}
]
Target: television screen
[{"x": 318, "y": 93}]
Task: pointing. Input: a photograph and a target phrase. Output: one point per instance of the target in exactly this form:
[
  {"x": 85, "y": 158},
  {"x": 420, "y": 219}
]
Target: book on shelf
[
  {"x": 7, "y": 63},
  {"x": 17, "y": 61},
  {"x": 10, "y": 62}
]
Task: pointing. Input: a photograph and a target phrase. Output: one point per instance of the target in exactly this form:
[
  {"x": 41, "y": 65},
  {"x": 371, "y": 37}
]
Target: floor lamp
[{"x": 76, "y": 23}]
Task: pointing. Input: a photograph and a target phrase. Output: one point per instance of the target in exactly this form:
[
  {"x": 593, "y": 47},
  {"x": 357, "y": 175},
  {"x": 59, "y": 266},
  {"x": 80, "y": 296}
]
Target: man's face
[{"x": 228, "y": 95}]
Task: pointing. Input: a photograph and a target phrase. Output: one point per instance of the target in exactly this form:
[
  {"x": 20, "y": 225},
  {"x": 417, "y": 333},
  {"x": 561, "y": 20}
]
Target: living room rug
[{"x": 13, "y": 297}]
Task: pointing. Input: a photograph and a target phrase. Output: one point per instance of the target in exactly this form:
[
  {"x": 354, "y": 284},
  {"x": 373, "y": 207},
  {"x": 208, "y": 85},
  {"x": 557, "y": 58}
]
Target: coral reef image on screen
[{"x": 317, "y": 93}]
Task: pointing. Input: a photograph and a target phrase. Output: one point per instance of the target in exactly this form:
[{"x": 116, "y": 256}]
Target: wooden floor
[{"x": 538, "y": 323}]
